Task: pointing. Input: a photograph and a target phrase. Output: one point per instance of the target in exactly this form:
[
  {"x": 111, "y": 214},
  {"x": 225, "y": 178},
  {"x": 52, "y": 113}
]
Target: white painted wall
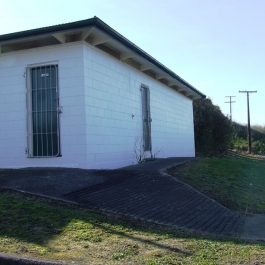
[
  {"x": 99, "y": 94},
  {"x": 112, "y": 93},
  {"x": 13, "y": 112}
]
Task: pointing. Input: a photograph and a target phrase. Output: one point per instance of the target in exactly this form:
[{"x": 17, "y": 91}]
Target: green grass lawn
[
  {"x": 238, "y": 183},
  {"x": 40, "y": 228}
]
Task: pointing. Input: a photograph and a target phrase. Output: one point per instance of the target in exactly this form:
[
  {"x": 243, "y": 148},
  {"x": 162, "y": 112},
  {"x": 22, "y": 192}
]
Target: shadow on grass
[{"x": 39, "y": 222}]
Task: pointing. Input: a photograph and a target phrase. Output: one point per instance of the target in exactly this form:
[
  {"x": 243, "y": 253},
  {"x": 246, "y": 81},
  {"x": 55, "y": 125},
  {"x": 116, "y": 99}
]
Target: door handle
[{"x": 60, "y": 109}]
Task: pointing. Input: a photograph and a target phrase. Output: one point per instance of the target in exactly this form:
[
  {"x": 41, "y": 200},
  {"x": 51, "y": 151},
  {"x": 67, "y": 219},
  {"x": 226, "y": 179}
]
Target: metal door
[{"x": 147, "y": 143}]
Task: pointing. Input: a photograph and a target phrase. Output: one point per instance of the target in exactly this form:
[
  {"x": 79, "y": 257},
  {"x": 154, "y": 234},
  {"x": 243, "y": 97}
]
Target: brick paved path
[{"x": 156, "y": 197}]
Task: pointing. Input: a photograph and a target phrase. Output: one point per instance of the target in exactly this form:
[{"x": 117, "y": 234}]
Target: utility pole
[
  {"x": 230, "y": 104},
  {"x": 249, "y": 131}
]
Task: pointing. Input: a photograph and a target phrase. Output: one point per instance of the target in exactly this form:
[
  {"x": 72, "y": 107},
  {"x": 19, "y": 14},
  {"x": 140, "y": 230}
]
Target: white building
[{"x": 79, "y": 94}]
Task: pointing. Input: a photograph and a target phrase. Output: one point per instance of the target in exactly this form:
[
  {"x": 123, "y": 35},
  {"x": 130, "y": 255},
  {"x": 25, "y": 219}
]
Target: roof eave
[{"x": 98, "y": 23}]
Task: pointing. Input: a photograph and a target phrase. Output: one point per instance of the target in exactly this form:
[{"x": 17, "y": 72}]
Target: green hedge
[{"x": 214, "y": 132}]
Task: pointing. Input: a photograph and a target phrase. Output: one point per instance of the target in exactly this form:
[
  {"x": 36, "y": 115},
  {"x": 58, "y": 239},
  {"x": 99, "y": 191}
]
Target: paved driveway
[{"x": 141, "y": 191}]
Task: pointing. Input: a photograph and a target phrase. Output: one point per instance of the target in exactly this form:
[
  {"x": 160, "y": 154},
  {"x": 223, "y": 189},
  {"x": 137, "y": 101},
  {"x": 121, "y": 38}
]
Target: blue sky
[{"x": 217, "y": 46}]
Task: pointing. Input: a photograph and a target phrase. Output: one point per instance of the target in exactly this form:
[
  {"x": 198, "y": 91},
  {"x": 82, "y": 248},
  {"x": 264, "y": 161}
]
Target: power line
[
  {"x": 249, "y": 131},
  {"x": 230, "y": 104}
]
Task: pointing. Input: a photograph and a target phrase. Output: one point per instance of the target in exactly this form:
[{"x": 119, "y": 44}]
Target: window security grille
[{"x": 44, "y": 137}]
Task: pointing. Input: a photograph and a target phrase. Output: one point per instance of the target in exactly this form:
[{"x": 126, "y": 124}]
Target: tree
[{"x": 213, "y": 130}]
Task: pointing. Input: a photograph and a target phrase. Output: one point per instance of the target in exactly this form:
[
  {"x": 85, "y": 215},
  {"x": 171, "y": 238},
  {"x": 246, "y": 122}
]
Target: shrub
[
  {"x": 257, "y": 138},
  {"x": 214, "y": 132}
]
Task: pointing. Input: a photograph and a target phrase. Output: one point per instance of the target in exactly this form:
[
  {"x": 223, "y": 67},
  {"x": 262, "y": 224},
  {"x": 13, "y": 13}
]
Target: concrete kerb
[{"x": 15, "y": 260}]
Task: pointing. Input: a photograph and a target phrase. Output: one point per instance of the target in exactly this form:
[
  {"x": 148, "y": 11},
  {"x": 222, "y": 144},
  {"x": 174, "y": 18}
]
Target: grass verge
[
  {"x": 237, "y": 183},
  {"x": 44, "y": 229}
]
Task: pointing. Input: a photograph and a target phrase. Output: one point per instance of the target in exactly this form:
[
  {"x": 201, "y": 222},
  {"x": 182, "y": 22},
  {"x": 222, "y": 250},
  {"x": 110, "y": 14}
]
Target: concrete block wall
[
  {"x": 172, "y": 125},
  {"x": 113, "y": 110},
  {"x": 102, "y": 110},
  {"x": 13, "y": 111},
  {"x": 114, "y": 113}
]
